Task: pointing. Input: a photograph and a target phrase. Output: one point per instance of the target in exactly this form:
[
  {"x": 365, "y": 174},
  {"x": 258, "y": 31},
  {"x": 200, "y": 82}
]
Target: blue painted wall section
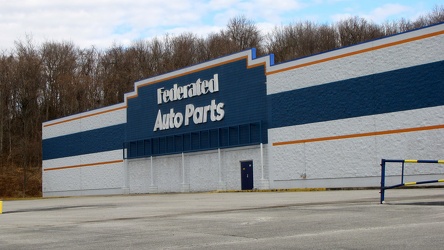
[
  {"x": 405, "y": 89},
  {"x": 92, "y": 141},
  {"x": 249, "y": 111},
  {"x": 243, "y": 92}
]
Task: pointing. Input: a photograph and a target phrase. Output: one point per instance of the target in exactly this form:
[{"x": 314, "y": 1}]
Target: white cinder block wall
[
  {"x": 198, "y": 172},
  {"x": 354, "y": 161},
  {"x": 85, "y": 174}
]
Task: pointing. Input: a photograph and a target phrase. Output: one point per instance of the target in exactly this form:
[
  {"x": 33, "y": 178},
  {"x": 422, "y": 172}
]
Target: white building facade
[{"x": 241, "y": 122}]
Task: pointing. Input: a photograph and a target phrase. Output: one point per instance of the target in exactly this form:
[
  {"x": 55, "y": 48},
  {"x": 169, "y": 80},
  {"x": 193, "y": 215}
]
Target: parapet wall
[
  {"x": 335, "y": 115},
  {"x": 82, "y": 154}
]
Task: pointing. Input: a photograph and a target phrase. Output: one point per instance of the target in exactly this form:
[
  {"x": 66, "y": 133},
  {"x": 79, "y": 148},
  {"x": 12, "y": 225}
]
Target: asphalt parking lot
[{"x": 410, "y": 219}]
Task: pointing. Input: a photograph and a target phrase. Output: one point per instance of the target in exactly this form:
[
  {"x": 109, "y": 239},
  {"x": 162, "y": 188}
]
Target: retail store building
[{"x": 241, "y": 122}]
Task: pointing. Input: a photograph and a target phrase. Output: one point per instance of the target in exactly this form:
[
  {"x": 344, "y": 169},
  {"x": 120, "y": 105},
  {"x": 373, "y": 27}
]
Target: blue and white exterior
[{"x": 320, "y": 121}]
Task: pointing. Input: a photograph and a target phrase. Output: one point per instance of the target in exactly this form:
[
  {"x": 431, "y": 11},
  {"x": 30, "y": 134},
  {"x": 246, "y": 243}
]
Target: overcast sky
[{"x": 104, "y": 22}]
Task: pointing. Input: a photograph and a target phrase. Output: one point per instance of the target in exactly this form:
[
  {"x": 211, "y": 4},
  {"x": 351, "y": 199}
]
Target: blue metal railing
[{"x": 383, "y": 187}]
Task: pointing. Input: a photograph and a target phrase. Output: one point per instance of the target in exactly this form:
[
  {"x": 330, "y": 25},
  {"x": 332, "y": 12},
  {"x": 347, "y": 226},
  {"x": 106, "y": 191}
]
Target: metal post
[
  {"x": 402, "y": 174},
  {"x": 125, "y": 164},
  {"x": 382, "y": 180},
  {"x": 152, "y": 171},
  {"x": 220, "y": 165},
  {"x": 183, "y": 168},
  {"x": 262, "y": 161}
]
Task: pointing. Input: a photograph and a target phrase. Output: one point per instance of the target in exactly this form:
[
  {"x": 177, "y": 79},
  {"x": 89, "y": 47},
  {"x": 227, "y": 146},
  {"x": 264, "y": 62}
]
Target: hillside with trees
[{"x": 41, "y": 82}]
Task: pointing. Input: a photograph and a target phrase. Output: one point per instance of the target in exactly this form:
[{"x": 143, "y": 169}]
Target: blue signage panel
[{"x": 221, "y": 106}]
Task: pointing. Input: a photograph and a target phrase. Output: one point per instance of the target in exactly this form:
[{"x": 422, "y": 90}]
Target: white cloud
[
  {"x": 89, "y": 23},
  {"x": 104, "y": 22},
  {"x": 340, "y": 17},
  {"x": 385, "y": 12}
]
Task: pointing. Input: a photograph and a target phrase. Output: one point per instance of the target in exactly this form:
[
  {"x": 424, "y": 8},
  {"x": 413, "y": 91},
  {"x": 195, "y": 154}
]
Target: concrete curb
[
  {"x": 321, "y": 189},
  {"x": 272, "y": 190}
]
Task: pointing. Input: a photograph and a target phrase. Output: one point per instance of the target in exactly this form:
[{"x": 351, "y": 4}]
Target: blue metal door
[{"x": 247, "y": 175}]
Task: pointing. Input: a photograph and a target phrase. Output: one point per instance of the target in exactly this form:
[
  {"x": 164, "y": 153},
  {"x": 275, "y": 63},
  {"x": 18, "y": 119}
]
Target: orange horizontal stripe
[
  {"x": 340, "y": 137},
  {"x": 84, "y": 165},
  {"x": 357, "y": 52},
  {"x": 84, "y": 116}
]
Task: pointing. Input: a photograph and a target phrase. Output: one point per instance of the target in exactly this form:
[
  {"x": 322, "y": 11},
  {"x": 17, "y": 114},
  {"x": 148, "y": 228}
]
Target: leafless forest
[{"x": 41, "y": 82}]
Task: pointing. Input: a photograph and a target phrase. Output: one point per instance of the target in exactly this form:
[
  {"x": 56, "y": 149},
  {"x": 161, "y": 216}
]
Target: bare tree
[
  {"x": 114, "y": 74},
  {"x": 437, "y": 15},
  {"x": 26, "y": 118},
  {"x": 243, "y": 34},
  {"x": 180, "y": 51},
  {"x": 140, "y": 56},
  {"x": 216, "y": 45},
  {"x": 90, "y": 88},
  {"x": 327, "y": 38},
  {"x": 59, "y": 91},
  {"x": 5, "y": 96},
  {"x": 300, "y": 39},
  {"x": 355, "y": 30}
]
